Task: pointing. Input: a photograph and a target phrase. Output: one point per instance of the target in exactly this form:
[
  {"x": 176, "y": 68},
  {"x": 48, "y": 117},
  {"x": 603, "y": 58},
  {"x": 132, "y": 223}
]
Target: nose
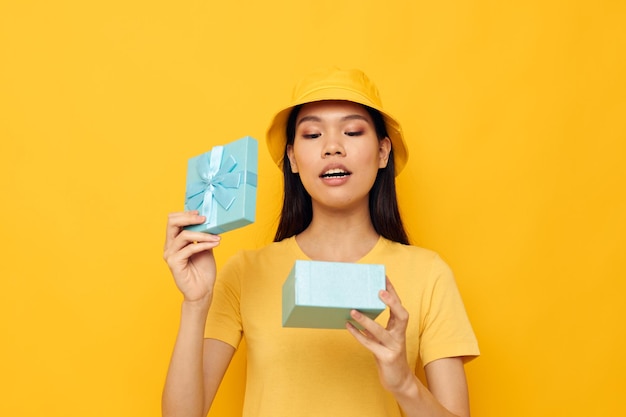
[{"x": 333, "y": 145}]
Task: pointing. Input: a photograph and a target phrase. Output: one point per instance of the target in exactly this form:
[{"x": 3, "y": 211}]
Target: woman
[{"x": 339, "y": 152}]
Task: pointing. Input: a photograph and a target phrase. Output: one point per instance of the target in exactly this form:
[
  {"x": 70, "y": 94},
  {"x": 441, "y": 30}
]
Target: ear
[
  {"x": 292, "y": 159},
  {"x": 384, "y": 149}
]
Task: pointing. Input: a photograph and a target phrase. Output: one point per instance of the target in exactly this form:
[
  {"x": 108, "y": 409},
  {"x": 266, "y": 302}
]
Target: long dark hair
[{"x": 297, "y": 210}]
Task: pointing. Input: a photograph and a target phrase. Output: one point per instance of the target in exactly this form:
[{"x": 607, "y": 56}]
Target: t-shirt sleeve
[
  {"x": 447, "y": 331},
  {"x": 224, "y": 318}
]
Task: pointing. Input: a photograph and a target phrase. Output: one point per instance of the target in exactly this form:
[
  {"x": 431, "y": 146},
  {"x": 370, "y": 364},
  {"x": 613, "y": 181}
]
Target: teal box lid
[
  {"x": 222, "y": 185},
  {"x": 320, "y": 294}
]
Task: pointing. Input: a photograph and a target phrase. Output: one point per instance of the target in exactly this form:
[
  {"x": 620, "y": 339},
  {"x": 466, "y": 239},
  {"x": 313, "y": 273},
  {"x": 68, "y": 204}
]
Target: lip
[
  {"x": 334, "y": 166},
  {"x": 334, "y": 181}
]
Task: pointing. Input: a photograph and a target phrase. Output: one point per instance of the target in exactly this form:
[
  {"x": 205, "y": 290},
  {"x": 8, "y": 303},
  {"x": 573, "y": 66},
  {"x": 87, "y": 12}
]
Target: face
[{"x": 336, "y": 152}]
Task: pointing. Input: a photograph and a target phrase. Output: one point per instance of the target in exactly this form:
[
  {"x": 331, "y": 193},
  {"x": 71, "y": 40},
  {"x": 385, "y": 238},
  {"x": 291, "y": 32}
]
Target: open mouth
[{"x": 335, "y": 173}]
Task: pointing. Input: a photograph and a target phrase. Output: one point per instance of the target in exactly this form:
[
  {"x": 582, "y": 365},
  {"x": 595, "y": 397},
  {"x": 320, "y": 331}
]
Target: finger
[
  {"x": 365, "y": 338},
  {"x": 195, "y": 248},
  {"x": 188, "y": 237},
  {"x": 372, "y": 330},
  {"x": 184, "y": 218},
  {"x": 398, "y": 315},
  {"x": 181, "y": 257},
  {"x": 392, "y": 290},
  {"x": 368, "y": 340},
  {"x": 176, "y": 221}
]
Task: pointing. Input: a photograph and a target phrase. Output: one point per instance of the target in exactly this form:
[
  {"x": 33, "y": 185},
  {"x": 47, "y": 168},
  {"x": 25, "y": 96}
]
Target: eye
[
  {"x": 311, "y": 135},
  {"x": 354, "y": 133}
]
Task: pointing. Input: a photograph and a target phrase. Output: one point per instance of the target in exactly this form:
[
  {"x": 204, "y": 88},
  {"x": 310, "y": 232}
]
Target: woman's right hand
[{"x": 189, "y": 256}]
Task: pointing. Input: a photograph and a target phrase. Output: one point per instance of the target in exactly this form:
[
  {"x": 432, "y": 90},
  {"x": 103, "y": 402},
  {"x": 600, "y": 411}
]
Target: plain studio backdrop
[{"x": 514, "y": 113}]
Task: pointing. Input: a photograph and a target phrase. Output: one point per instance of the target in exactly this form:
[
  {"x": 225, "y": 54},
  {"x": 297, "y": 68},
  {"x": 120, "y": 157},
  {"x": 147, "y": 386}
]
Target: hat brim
[{"x": 277, "y": 135}]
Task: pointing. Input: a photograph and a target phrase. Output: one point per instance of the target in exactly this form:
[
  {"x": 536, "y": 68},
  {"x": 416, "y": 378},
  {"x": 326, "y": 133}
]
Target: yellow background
[{"x": 515, "y": 116}]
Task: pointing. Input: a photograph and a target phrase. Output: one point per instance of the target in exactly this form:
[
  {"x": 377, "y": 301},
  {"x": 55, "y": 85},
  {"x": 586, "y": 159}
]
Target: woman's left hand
[{"x": 387, "y": 344}]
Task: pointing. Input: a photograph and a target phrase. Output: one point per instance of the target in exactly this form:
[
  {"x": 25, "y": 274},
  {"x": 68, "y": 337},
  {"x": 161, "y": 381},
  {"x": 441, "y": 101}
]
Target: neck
[{"x": 338, "y": 236}]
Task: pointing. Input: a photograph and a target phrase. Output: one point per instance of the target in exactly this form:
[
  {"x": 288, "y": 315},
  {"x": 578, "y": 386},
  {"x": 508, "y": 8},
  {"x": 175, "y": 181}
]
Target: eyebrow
[{"x": 343, "y": 119}]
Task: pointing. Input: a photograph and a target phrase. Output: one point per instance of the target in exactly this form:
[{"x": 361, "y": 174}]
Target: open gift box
[{"x": 320, "y": 294}]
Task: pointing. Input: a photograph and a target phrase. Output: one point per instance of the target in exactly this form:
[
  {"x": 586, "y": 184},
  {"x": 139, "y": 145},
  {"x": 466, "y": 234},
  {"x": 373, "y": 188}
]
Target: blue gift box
[
  {"x": 320, "y": 294},
  {"x": 222, "y": 184}
]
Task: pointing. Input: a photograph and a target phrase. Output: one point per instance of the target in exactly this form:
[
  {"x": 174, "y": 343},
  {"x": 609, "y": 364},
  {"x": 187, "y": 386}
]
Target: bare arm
[
  {"x": 197, "y": 365},
  {"x": 447, "y": 396},
  {"x": 196, "y": 369},
  {"x": 447, "y": 383}
]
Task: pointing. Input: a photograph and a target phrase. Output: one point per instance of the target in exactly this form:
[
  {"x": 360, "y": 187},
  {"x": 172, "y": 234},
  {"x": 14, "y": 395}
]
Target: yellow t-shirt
[{"x": 318, "y": 372}]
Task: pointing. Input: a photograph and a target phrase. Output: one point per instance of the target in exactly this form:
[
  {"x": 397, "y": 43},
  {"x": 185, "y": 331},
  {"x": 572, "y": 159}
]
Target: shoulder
[
  {"x": 414, "y": 266},
  {"x": 410, "y": 254},
  {"x": 286, "y": 248},
  {"x": 256, "y": 269},
  {"x": 276, "y": 256}
]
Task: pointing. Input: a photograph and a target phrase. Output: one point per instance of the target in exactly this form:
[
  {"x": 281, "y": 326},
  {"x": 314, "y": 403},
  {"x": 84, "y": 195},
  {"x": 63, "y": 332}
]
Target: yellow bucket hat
[{"x": 336, "y": 84}]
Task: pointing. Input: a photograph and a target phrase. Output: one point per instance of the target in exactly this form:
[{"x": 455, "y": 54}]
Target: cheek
[
  {"x": 302, "y": 154},
  {"x": 295, "y": 154},
  {"x": 370, "y": 156}
]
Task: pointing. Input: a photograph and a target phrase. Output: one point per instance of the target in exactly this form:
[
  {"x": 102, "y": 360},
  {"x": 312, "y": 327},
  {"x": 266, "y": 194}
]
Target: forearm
[
  {"x": 416, "y": 400},
  {"x": 183, "y": 394}
]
